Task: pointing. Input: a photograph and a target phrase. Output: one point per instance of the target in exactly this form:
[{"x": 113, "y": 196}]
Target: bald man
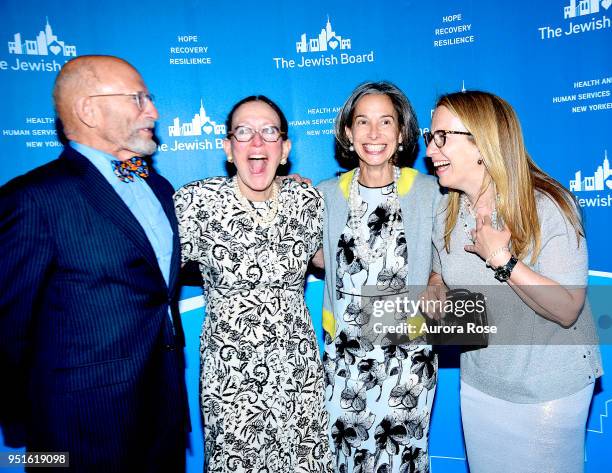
[{"x": 90, "y": 339}]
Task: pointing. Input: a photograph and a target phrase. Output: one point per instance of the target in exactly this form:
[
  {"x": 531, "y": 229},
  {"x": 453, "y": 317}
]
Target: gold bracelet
[{"x": 494, "y": 254}]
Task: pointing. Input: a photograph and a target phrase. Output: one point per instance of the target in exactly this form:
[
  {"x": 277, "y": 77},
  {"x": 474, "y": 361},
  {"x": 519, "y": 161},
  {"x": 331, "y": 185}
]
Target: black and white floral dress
[
  {"x": 262, "y": 391},
  {"x": 379, "y": 395}
]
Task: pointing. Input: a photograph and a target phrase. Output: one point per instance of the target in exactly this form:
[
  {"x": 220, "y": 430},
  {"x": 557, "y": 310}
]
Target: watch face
[{"x": 502, "y": 274}]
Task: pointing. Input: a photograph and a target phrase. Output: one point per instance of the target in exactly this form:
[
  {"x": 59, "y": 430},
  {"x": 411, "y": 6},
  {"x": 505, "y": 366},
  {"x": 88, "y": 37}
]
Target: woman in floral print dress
[
  {"x": 261, "y": 374},
  {"x": 377, "y": 233}
]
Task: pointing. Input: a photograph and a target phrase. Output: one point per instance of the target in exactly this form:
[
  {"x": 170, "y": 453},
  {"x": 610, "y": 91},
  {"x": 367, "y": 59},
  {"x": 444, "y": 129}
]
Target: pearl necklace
[
  {"x": 269, "y": 217},
  {"x": 466, "y": 208},
  {"x": 362, "y": 248}
]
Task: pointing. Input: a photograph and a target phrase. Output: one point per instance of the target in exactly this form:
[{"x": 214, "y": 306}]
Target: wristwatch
[{"x": 502, "y": 273}]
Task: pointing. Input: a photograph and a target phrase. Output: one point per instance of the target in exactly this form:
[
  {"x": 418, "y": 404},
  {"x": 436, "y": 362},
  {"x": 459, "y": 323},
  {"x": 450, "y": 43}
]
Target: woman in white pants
[{"x": 513, "y": 231}]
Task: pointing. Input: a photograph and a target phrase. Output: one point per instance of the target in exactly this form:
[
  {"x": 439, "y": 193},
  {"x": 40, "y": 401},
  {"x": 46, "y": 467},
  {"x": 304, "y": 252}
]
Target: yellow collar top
[{"x": 404, "y": 183}]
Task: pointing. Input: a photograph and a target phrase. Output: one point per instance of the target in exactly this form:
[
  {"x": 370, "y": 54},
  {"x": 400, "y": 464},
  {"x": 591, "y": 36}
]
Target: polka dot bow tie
[{"x": 125, "y": 170}]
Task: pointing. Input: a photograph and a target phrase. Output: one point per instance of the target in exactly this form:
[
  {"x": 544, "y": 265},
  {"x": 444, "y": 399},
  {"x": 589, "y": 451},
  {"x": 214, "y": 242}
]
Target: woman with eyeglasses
[
  {"x": 513, "y": 231},
  {"x": 377, "y": 241},
  {"x": 261, "y": 374}
]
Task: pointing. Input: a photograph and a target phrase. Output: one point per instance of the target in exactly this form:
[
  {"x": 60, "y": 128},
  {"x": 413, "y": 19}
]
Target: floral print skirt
[
  {"x": 262, "y": 387},
  {"x": 379, "y": 409}
]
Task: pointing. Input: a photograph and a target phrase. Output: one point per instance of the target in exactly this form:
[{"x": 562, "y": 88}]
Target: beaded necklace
[
  {"x": 465, "y": 208},
  {"x": 269, "y": 216},
  {"x": 362, "y": 248}
]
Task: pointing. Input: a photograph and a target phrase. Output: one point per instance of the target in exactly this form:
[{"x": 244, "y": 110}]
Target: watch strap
[{"x": 502, "y": 273}]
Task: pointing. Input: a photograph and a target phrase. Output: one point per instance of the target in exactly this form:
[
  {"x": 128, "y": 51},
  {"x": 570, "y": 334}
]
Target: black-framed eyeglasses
[
  {"x": 439, "y": 136},
  {"x": 269, "y": 133},
  {"x": 141, "y": 98}
]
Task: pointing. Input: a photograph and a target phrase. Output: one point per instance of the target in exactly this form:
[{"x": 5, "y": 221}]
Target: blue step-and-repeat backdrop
[{"x": 551, "y": 59}]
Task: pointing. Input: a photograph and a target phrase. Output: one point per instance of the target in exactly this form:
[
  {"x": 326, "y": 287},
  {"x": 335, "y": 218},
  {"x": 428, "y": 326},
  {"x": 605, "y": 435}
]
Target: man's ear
[{"x": 85, "y": 112}]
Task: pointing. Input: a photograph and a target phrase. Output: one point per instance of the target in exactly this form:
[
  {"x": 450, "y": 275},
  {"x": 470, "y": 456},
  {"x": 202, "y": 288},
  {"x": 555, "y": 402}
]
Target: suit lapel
[{"x": 107, "y": 203}]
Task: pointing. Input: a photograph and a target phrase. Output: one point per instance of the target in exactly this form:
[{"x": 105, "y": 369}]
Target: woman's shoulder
[
  {"x": 302, "y": 192},
  {"x": 204, "y": 186},
  {"x": 439, "y": 215},
  {"x": 327, "y": 186},
  {"x": 545, "y": 202},
  {"x": 426, "y": 179},
  {"x": 426, "y": 183},
  {"x": 549, "y": 211},
  {"x": 442, "y": 205},
  {"x": 419, "y": 190}
]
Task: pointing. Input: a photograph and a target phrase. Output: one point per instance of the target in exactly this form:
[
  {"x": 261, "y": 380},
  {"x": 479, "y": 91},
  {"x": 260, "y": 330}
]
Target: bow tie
[{"x": 125, "y": 170}]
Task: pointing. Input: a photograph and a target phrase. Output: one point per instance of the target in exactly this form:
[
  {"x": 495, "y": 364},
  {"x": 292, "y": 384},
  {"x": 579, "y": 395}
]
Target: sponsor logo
[
  {"x": 210, "y": 133},
  {"x": 584, "y": 7},
  {"x": 597, "y": 182},
  {"x": 332, "y": 49},
  {"x": 199, "y": 124},
  {"x": 46, "y": 44},
  {"x": 600, "y": 181},
  {"x": 327, "y": 40},
  {"x": 584, "y": 16}
]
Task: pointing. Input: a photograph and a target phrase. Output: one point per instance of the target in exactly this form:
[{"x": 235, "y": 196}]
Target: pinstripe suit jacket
[{"x": 91, "y": 361}]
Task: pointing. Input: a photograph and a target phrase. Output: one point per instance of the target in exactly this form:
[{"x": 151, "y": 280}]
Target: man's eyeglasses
[
  {"x": 439, "y": 136},
  {"x": 244, "y": 133},
  {"x": 141, "y": 98}
]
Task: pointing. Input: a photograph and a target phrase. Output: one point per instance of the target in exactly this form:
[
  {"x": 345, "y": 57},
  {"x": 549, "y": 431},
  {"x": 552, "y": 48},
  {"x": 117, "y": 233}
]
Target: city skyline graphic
[
  {"x": 46, "y": 42},
  {"x": 327, "y": 39},
  {"x": 597, "y": 182},
  {"x": 584, "y": 7},
  {"x": 200, "y": 124}
]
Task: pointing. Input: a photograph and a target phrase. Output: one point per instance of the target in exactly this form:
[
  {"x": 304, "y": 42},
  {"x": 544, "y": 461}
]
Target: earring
[
  {"x": 479, "y": 161},
  {"x": 230, "y": 158},
  {"x": 400, "y": 148},
  {"x": 283, "y": 161},
  {"x": 351, "y": 148}
]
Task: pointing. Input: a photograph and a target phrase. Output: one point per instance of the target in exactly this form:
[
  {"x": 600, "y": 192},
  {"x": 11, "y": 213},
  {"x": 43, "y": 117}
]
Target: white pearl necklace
[
  {"x": 466, "y": 207},
  {"x": 269, "y": 217},
  {"x": 362, "y": 247}
]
